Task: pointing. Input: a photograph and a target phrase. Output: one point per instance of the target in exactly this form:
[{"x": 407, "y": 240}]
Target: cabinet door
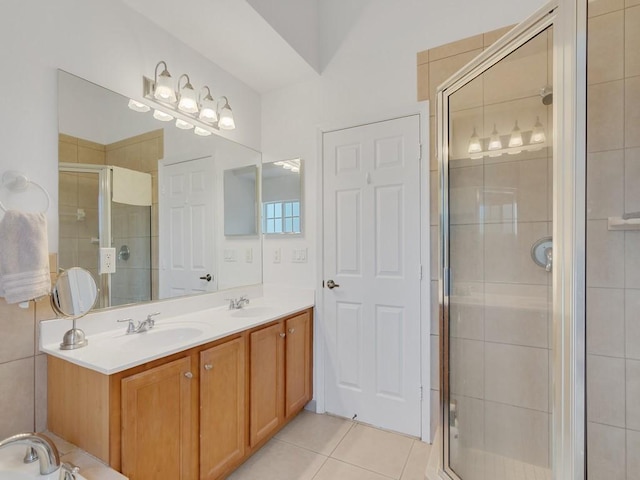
[
  {"x": 222, "y": 407},
  {"x": 267, "y": 387},
  {"x": 157, "y": 424},
  {"x": 298, "y": 363}
]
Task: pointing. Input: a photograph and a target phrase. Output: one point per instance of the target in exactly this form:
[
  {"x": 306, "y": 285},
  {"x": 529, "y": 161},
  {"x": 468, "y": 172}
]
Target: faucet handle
[
  {"x": 151, "y": 320},
  {"x": 30, "y": 455},
  {"x": 68, "y": 471},
  {"x": 131, "y": 327}
]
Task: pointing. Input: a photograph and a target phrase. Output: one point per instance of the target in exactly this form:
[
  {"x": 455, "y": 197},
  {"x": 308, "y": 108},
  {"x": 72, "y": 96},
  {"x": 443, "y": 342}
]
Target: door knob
[
  {"x": 331, "y": 284},
  {"x": 207, "y": 277},
  {"x": 291, "y": 330},
  {"x": 282, "y": 335},
  {"x": 208, "y": 366},
  {"x": 188, "y": 374}
]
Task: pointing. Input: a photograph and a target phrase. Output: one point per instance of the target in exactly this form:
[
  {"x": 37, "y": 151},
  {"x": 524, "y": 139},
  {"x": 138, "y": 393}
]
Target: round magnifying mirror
[{"x": 74, "y": 295}]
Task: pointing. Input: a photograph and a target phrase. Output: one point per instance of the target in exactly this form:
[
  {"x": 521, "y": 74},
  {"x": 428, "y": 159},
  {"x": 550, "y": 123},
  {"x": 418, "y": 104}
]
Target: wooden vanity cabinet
[
  {"x": 194, "y": 414},
  {"x": 157, "y": 422}
]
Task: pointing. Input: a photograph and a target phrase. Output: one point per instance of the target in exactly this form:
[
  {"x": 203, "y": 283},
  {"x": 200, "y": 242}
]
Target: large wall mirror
[
  {"x": 151, "y": 191},
  {"x": 282, "y": 197}
]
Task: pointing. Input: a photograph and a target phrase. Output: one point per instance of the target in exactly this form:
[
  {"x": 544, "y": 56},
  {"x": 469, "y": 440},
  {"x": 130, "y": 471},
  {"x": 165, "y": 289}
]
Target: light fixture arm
[
  {"x": 166, "y": 70},
  {"x": 186, "y": 85},
  {"x": 207, "y": 96}
]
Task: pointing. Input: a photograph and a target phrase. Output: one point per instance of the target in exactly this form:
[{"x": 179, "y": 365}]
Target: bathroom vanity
[{"x": 198, "y": 412}]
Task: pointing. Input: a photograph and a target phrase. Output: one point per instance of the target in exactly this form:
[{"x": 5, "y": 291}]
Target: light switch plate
[
  {"x": 230, "y": 255},
  {"x": 299, "y": 255},
  {"x": 277, "y": 255},
  {"x": 107, "y": 260}
]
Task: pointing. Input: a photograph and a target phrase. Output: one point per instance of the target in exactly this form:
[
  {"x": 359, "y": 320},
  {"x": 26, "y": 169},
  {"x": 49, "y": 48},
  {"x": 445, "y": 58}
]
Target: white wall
[
  {"x": 372, "y": 75},
  {"x": 106, "y": 43}
]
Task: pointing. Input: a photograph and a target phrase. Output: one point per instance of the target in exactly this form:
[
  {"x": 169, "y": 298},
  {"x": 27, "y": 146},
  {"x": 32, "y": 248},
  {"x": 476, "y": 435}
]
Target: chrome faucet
[
  {"x": 45, "y": 449},
  {"x": 142, "y": 326},
  {"x": 238, "y": 303}
]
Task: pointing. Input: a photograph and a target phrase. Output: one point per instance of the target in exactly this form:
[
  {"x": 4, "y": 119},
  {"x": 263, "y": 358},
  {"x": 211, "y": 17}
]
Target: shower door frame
[{"x": 568, "y": 18}]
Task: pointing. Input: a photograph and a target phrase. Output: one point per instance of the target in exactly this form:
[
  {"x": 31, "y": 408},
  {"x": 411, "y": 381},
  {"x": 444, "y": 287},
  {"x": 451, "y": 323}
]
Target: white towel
[{"x": 24, "y": 256}]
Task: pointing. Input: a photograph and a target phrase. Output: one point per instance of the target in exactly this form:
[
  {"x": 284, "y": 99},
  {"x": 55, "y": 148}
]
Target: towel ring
[{"x": 18, "y": 182}]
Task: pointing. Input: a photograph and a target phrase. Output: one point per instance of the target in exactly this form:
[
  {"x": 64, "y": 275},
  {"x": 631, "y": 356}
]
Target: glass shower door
[{"x": 496, "y": 175}]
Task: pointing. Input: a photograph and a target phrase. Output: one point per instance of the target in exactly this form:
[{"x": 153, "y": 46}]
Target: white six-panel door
[
  {"x": 371, "y": 210},
  {"x": 187, "y": 228}
]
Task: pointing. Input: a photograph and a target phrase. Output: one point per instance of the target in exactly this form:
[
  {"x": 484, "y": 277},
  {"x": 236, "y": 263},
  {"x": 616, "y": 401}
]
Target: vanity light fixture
[
  {"x": 226, "y": 121},
  {"x": 138, "y": 106},
  {"x": 474, "y": 143},
  {"x": 163, "y": 85},
  {"x": 183, "y": 125},
  {"x": 208, "y": 108},
  {"x": 188, "y": 102},
  {"x": 198, "y": 110},
  {"x": 537, "y": 135},
  {"x": 293, "y": 165},
  {"x": 162, "y": 116}
]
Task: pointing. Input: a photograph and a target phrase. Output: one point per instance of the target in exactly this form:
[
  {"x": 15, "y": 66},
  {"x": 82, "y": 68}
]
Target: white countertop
[{"x": 111, "y": 350}]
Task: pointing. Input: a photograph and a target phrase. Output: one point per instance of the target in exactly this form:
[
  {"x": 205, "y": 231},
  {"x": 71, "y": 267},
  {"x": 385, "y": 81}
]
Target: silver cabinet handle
[
  {"x": 188, "y": 375},
  {"x": 208, "y": 366},
  {"x": 331, "y": 284},
  {"x": 282, "y": 335},
  {"x": 291, "y": 330}
]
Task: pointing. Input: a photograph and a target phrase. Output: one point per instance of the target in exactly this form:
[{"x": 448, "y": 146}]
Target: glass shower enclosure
[{"x": 496, "y": 164}]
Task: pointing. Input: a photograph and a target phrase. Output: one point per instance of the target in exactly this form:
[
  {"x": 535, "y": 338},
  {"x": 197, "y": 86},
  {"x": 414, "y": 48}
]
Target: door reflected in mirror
[{"x": 282, "y": 197}]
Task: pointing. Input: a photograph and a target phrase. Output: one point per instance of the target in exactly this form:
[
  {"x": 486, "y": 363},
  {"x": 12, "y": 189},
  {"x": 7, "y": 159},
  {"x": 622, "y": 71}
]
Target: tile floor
[{"x": 322, "y": 447}]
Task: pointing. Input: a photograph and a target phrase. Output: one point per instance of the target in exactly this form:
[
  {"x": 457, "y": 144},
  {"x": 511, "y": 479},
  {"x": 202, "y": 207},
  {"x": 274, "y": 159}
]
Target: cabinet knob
[
  {"x": 208, "y": 366},
  {"x": 291, "y": 330},
  {"x": 282, "y": 335},
  {"x": 188, "y": 375}
]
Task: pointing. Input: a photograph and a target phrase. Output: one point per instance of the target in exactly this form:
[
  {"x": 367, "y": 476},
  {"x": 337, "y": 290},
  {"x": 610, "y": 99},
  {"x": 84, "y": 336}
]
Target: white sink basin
[
  {"x": 258, "y": 311},
  {"x": 163, "y": 336}
]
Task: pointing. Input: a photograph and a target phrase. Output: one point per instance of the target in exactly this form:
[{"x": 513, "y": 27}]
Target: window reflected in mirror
[{"x": 282, "y": 197}]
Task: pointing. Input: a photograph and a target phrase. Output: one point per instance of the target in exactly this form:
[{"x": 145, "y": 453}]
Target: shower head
[{"x": 546, "y": 93}]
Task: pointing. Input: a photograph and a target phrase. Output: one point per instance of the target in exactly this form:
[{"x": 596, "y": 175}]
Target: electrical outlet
[
  {"x": 107, "y": 260},
  {"x": 276, "y": 255}
]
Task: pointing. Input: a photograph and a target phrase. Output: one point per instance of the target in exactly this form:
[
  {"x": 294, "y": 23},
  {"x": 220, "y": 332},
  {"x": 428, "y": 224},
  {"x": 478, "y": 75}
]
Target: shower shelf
[{"x": 619, "y": 223}]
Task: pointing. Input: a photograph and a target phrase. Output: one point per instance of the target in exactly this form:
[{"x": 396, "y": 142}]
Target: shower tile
[
  {"x": 470, "y": 421},
  {"x": 442, "y": 69},
  {"x": 632, "y": 259},
  {"x": 518, "y": 433},
  {"x": 633, "y": 461},
  {"x": 90, "y": 154},
  {"x": 605, "y": 254},
  {"x": 605, "y": 390},
  {"x": 632, "y": 324},
  {"x": 605, "y": 321},
  {"x": 491, "y": 37},
  {"x": 522, "y": 74},
  {"x": 517, "y": 314},
  {"x": 89, "y": 226},
  {"x": 17, "y": 326},
  {"x": 16, "y": 397},
  {"x": 468, "y": 97},
  {"x": 67, "y": 152},
  {"x": 633, "y": 394},
  {"x": 632, "y": 112},
  {"x": 466, "y": 359},
  {"x": 631, "y": 3},
  {"x": 600, "y": 7},
  {"x": 605, "y": 116},
  {"x": 422, "y": 57},
  {"x": 605, "y": 192},
  {"x": 605, "y": 452},
  {"x": 517, "y": 375},
  {"x": 466, "y": 194},
  {"x": 508, "y": 253},
  {"x": 455, "y": 48},
  {"x": 88, "y": 190},
  {"x": 466, "y": 311},
  {"x": 68, "y": 190},
  {"x": 631, "y": 180},
  {"x": 423, "y": 82},
  {"x": 528, "y": 191},
  {"x": 467, "y": 262},
  {"x": 632, "y": 37},
  {"x": 605, "y": 54}
]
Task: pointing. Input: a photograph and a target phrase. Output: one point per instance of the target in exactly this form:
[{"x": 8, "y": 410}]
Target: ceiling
[{"x": 267, "y": 44}]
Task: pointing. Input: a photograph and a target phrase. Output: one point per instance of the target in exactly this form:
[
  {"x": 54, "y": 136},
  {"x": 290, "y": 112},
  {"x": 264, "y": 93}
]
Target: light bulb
[
  {"x": 537, "y": 135},
  {"x": 474, "y": 143},
  {"x": 208, "y": 110},
  {"x": 164, "y": 88},
  {"x": 163, "y": 117},
  {"x": 202, "y": 132},
  {"x": 183, "y": 125},
  {"x": 138, "y": 107},
  {"x": 494, "y": 142},
  {"x": 226, "y": 121},
  {"x": 515, "y": 140}
]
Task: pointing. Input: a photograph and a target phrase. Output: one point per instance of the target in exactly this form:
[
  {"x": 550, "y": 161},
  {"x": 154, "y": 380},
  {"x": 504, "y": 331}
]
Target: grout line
[
  {"x": 406, "y": 462},
  {"x": 342, "y": 439}
]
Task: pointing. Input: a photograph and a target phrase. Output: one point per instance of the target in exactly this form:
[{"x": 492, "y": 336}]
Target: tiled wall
[
  {"x": 434, "y": 67},
  {"x": 23, "y": 371},
  {"x": 613, "y": 257}
]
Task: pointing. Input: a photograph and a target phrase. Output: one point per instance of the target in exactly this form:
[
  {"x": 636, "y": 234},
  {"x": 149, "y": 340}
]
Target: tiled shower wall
[{"x": 613, "y": 257}]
